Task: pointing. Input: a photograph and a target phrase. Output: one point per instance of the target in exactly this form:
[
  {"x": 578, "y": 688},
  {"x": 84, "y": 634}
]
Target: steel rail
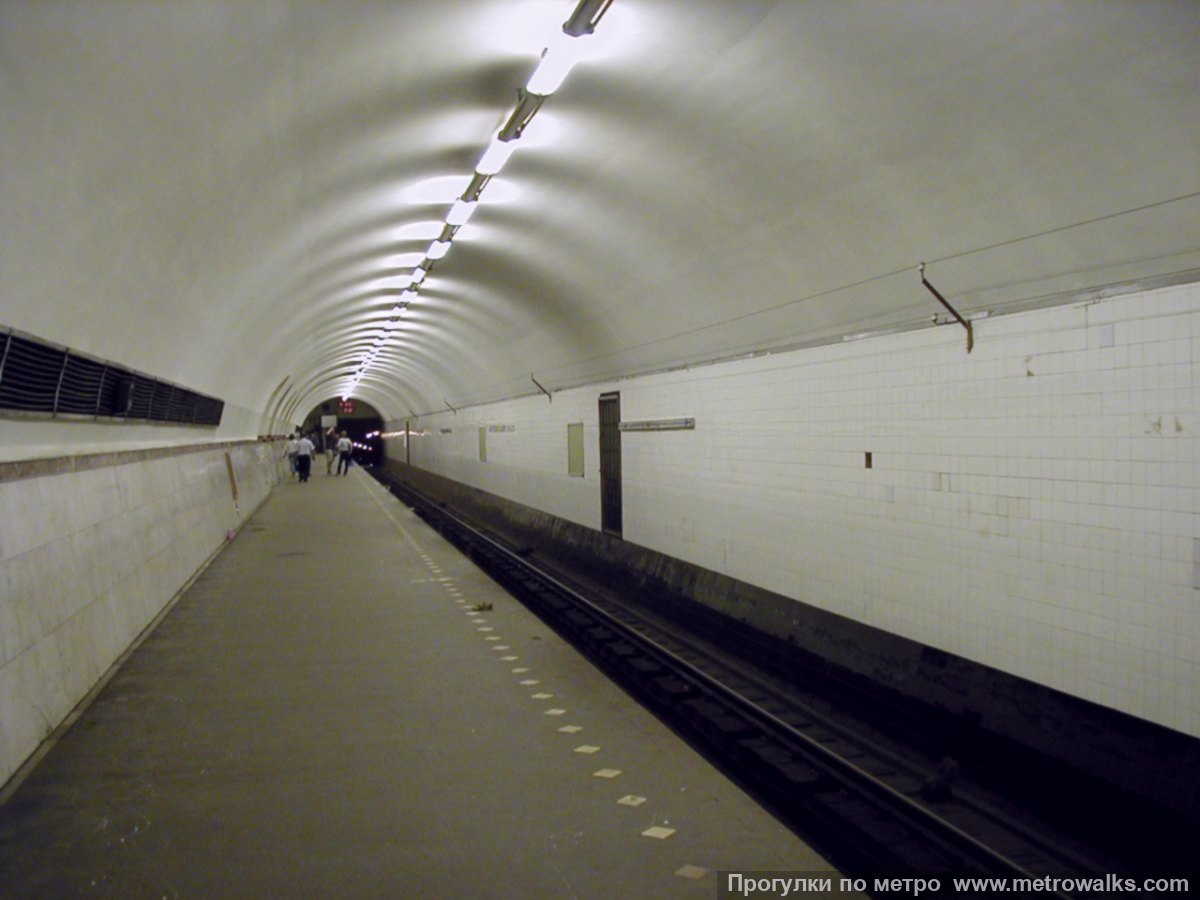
[{"x": 945, "y": 835}]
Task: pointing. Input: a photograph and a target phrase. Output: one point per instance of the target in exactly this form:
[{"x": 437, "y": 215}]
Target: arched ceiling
[{"x": 232, "y": 195}]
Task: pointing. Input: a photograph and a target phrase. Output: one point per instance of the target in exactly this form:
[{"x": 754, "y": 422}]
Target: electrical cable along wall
[{"x": 42, "y": 379}]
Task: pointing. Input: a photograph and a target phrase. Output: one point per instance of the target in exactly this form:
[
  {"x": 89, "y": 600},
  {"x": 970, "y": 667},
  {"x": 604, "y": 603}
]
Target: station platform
[{"x": 322, "y": 714}]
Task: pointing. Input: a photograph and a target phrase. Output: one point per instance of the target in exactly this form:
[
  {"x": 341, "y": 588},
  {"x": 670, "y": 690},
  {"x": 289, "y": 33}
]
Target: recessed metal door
[{"x": 610, "y": 463}]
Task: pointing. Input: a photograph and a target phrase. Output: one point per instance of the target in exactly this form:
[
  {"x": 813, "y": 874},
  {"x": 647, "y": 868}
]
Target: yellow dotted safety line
[{"x": 655, "y": 831}]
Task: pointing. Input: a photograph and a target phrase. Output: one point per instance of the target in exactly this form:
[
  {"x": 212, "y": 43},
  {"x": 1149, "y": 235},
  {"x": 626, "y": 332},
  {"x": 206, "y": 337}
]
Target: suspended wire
[
  {"x": 1062, "y": 228},
  {"x": 906, "y": 270}
]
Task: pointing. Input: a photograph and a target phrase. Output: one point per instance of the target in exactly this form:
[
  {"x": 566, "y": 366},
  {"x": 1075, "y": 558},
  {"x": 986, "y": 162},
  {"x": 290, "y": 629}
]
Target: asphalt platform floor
[{"x": 322, "y": 715}]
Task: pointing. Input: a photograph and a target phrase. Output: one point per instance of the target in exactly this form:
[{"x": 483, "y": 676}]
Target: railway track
[{"x": 859, "y": 803}]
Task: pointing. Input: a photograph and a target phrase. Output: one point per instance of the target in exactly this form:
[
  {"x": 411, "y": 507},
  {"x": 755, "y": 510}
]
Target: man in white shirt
[
  {"x": 304, "y": 455},
  {"x": 293, "y": 447},
  {"x": 344, "y": 448}
]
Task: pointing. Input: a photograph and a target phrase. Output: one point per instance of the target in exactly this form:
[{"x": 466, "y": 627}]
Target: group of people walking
[{"x": 300, "y": 450}]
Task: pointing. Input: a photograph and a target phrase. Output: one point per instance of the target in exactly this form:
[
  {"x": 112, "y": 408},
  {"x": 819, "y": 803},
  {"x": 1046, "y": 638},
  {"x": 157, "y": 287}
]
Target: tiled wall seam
[{"x": 1031, "y": 506}]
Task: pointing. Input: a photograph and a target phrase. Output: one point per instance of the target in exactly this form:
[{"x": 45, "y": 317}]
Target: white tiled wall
[
  {"x": 526, "y": 452},
  {"x": 87, "y": 559},
  {"x": 43, "y": 438},
  {"x": 1031, "y": 506}
]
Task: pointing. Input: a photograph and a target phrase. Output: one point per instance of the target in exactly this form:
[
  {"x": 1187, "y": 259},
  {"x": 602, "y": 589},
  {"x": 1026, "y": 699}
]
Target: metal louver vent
[
  {"x": 81, "y": 386},
  {"x": 39, "y": 378},
  {"x": 30, "y": 375}
]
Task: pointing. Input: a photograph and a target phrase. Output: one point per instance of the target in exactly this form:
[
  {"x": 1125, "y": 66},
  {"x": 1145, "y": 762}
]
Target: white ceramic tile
[
  {"x": 87, "y": 559},
  {"x": 1057, "y": 464}
]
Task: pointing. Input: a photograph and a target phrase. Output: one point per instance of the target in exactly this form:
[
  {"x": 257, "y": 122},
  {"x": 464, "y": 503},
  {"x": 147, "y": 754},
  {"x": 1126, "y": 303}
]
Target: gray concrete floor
[{"x": 321, "y": 715}]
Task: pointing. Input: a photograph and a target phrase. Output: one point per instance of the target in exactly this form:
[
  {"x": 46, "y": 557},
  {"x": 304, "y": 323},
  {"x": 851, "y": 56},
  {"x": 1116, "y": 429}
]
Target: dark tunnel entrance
[{"x": 361, "y": 422}]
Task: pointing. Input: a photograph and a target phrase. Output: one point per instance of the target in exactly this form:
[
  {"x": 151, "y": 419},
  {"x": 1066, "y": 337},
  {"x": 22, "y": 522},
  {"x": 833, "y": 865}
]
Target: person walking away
[
  {"x": 304, "y": 455},
  {"x": 330, "y": 438},
  {"x": 293, "y": 447},
  {"x": 344, "y": 448}
]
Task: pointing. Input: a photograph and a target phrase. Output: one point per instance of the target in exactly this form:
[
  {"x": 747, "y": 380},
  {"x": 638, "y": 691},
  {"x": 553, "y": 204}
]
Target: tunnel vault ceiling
[{"x": 232, "y": 195}]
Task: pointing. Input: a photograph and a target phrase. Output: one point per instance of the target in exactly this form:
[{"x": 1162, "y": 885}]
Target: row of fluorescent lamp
[{"x": 557, "y": 61}]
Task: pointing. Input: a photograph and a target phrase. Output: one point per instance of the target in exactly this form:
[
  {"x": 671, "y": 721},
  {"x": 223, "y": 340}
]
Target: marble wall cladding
[
  {"x": 1032, "y": 505},
  {"x": 88, "y": 558}
]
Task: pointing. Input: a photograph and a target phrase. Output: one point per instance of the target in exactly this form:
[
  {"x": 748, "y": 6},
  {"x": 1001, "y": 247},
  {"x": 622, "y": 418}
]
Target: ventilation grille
[{"x": 37, "y": 377}]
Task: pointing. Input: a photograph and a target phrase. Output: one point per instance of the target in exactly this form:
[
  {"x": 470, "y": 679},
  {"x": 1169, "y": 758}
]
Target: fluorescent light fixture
[
  {"x": 586, "y": 15},
  {"x": 418, "y": 276},
  {"x": 522, "y": 115},
  {"x": 438, "y": 249},
  {"x": 475, "y": 188},
  {"x": 557, "y": 61},
  {"x": 393, "y": 325},
  {"x": 408, "y": 297},
  {"x": 495, "y": 156},
  {"x": 461, "y": 212}
]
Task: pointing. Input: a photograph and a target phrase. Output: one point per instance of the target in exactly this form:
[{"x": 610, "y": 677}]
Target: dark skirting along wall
[{"x": 1090, "y": 762}]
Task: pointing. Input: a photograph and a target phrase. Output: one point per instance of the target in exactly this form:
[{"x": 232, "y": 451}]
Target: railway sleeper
[
  {"x": 623, "y": 649},
  {"x": 579, "y": 621},
  {"x": 890, "y": 835},
  {"x": 671, "y": 689},
  {"x": 801, "y": 779},
  {"x": 556, "y": 603},
  {"x": 716, "y": 721},
  {"x": 766, "y": 750},
  {"x": 788, "y": 773}
]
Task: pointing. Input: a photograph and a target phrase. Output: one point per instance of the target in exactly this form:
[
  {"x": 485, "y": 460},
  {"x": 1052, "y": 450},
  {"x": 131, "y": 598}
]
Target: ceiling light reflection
[
  {"x": 513, "y": 28},
  {"x": 436, "y": 190},
  {"x": 417, "y": 231}
]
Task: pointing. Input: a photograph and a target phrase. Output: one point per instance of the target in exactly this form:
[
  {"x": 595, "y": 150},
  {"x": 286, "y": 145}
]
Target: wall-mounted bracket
[
  {"x": 540, "y": 388},
  {"x": 954, "y": 312},
  {"x": 475, "y": 188},
  {"x": 527, "y": 106}
]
